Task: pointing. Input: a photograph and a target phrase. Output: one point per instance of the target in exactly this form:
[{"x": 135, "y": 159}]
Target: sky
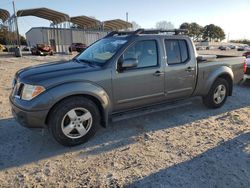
[{"x": 233, "y": 16}]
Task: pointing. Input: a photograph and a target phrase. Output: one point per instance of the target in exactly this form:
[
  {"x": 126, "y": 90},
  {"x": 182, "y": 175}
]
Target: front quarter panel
[{"x": 80, "y": 88}]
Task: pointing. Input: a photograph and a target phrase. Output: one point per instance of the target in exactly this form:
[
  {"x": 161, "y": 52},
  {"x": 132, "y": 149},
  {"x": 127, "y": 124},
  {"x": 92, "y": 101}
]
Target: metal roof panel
[
  {"x": 45, "y": 13},
  {"x": 85, "y": 22},
  {"x": 4, "y": 15}
]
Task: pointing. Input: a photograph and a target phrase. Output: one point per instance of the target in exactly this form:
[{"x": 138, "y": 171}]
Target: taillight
[{"x": 245, "y": 66}]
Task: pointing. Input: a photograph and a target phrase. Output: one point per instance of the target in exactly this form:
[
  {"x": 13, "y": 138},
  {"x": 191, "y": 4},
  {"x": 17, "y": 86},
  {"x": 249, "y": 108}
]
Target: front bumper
[{"x": 29, "y": 119}]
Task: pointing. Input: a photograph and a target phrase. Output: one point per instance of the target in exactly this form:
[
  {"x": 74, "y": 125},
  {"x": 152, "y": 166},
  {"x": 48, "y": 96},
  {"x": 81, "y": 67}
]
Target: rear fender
[{"x": 204, "y": 84}]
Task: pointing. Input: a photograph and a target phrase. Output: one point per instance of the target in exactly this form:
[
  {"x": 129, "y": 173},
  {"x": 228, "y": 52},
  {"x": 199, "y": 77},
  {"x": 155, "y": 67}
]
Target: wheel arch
[
  {"x": 229, "y": 80},
  {"x": 90, "y": 97},
  {"x": 90, "y": 91},
  {"x": 205, "y": 83}
]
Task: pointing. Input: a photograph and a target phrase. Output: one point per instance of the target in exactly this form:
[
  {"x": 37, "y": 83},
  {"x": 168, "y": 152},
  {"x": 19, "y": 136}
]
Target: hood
[{"x": 39, "y": 73}]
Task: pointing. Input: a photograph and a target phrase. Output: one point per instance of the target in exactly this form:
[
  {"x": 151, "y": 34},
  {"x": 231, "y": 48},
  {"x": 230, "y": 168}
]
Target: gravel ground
[{"x": 190, "y": 146}]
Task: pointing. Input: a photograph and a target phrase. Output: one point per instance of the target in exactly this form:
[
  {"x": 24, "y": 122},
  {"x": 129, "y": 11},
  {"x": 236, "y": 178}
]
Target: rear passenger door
[{"x": 180, "y": 78}]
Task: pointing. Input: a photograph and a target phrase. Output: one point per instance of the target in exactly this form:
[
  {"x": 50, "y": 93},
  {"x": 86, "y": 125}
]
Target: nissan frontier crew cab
[{"x": 123, "y": 71}]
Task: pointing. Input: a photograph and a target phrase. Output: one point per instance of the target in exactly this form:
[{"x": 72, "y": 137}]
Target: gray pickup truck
[{"x": 122, "y": 72}]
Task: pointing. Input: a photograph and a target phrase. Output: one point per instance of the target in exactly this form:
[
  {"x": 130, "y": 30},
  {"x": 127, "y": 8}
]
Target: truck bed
[{"x": 212, "y": 65}]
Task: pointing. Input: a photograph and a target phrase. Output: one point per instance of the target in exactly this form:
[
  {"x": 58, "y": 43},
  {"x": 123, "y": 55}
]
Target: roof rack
[{"x": 150, "y": 31}]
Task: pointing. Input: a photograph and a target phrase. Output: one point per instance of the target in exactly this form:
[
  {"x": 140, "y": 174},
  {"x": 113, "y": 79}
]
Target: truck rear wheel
[
  {"x": 217, "y": 95},
  {"x": 74, "y": 120}
]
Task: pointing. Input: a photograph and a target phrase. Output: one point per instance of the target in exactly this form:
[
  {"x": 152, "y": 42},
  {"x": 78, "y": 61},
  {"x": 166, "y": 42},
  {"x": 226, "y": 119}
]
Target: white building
[{"x": 60, "y": 38}]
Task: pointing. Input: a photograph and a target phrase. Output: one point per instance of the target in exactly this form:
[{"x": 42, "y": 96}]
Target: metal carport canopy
[
  {"x": 116, "y": 24},
  {"x": 85, "y": 22},
  {"x": 45, "y": 13},
  {"x": 4, "y": 15}
]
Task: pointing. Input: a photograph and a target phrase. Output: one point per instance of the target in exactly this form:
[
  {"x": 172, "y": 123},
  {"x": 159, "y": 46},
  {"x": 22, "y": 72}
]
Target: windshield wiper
[
  {"x": 85, "y": 61},
  {"x": 75, "y": 59}
]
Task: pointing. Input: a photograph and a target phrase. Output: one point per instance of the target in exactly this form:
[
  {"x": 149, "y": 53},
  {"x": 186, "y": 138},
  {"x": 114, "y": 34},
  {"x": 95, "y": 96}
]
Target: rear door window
[{"x": 177, "y": 51}]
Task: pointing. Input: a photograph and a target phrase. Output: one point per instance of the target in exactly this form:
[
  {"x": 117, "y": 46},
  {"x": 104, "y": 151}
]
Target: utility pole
[
  {"x": 16, "y": 24},
  {"x": 127, "y": 16}
]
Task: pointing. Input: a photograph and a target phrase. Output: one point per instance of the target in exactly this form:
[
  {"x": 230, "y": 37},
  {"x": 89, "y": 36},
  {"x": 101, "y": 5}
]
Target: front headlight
[{"x": 29, "y": 91}]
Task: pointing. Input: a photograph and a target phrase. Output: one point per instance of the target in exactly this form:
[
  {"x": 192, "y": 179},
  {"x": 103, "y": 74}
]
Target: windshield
[{"x": 101, "y": 51}]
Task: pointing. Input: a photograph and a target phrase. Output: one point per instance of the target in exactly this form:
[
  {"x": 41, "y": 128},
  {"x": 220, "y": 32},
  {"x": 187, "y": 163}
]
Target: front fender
[
  {"x": 64, "y": 90},
  {"x": 206, "y": 82}
]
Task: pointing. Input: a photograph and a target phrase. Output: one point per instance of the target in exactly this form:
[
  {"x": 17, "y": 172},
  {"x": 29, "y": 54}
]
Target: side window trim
[
  {"x": 187, "y": 49},
  {"x": 188, "y": 52}
]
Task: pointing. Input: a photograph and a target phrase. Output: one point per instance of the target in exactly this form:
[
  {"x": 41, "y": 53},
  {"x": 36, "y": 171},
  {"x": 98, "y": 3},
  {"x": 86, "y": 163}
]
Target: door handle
[
  {"x": 158, "y": 73},
  {"x": 189, "y": 69}
]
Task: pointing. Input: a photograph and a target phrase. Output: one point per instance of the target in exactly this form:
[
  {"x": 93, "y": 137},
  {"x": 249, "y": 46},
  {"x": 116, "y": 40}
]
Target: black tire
[
  {"x": 209, "y": 99},
  {"x": 60, "y": 110}
]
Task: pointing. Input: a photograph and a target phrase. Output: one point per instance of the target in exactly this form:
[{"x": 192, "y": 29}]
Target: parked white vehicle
[{"x": 244, "y": 48}]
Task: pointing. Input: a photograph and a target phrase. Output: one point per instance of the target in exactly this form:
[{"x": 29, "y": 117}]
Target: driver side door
[{"x": 140, "y": 85}]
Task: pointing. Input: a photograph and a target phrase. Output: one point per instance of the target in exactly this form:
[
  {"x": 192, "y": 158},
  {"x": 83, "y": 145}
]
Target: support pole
[{"x": 16, "y": 24}]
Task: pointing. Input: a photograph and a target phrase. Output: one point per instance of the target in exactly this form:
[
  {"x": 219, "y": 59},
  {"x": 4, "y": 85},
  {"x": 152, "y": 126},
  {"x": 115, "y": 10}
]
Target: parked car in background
[
  {"x": 210, "y": 48},
  {"x": 247, "y": 69},
  {"x": 42, "y": 49},
  {"x": 2, "y": 48},
  {"x": 247, "y": 48},
  {"x": 244, "y": 48},
  {"x": 78, "y": 47},
  {"x": 26, "y": 49},
  {"x": 241, "y": 48},
  {"x": 224, "y": 48},
  {"x": 10, "y": 49},
  {"x": 246, "y": 54},
  {"x": 232, "y": 47},
  {"x": 200, "y": 47},
  {"x": 117, "y": 75}
]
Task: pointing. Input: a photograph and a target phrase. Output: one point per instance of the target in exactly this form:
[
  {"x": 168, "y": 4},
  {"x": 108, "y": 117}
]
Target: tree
[
  {"x": 220, "y": 33},
  {"x": 23, "y": 40},
  {"x": 164, "y": 25},
  {"x": 3, "y": 35},
  {"x": 195, "y": 31},
  {"x": 135, "y": 25},
  {"x": 185, "y": 25},
  {"x": 8, "y": 37},
  {"x": 213, "y": 32}
]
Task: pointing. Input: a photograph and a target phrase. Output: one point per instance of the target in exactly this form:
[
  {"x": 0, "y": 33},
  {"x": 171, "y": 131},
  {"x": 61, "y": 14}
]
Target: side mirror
[{"x": 130, "y": 63}]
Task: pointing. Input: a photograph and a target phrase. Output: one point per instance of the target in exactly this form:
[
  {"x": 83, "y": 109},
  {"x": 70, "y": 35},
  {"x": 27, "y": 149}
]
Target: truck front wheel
[
  {"x": 217, "y": 95},
  {"x": 74, "y": 120}
]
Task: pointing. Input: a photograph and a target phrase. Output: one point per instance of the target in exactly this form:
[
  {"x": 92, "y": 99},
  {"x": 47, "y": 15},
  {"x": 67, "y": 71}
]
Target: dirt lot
[{"x": 186, "y": 147}]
